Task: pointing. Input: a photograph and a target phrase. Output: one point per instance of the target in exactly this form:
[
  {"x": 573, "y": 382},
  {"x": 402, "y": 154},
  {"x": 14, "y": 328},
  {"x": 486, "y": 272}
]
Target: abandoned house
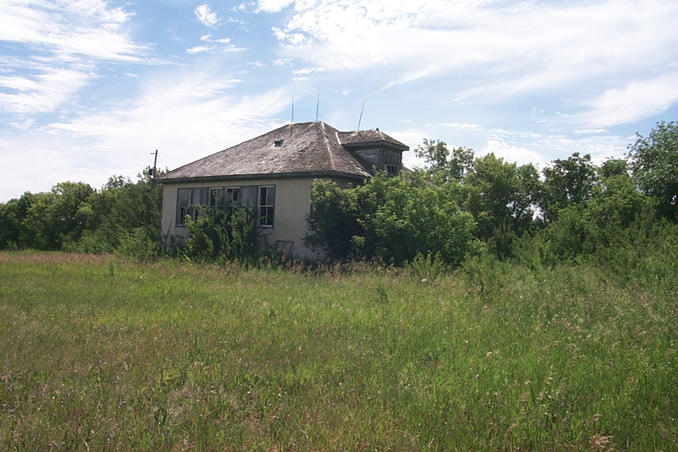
[{"x": 273, "y": 174}]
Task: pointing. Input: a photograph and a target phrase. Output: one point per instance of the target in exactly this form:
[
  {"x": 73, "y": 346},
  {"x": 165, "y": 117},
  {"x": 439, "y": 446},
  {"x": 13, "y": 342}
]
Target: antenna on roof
[
  {"x": 361, "y": 116},
  {"x": 317, "y": 105},
  {"x": 292, "y": 117}
]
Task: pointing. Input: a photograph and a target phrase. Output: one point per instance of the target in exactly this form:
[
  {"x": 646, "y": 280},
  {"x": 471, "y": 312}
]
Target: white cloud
[
  {"x": 491, "y": 49},
  {"x": 66, "y": 40},
  {"x": 70, "y": 28},
  {"x": 512, "y": 153},
  {"x": 272, "y": 6},
  {"x": 218, "y": 44},
  {"x": 520, "y": 146},
  {"x": 185, "y": 117},
  {"x": 637, "y": 100},
  {"x": 198, "y": 49},
  {"x": 206, "y": 16},
  {"x": 44, "y": 93}
]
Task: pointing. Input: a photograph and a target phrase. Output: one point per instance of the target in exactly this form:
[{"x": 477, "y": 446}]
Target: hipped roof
[{"x": 305, "y": 149}]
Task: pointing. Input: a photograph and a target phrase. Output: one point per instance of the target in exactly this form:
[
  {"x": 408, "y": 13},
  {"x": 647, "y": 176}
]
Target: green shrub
[
  {"x": 389, "y": 219},
  {"x": 138, "y": 245},
  {"x": 222, "y": 235}
]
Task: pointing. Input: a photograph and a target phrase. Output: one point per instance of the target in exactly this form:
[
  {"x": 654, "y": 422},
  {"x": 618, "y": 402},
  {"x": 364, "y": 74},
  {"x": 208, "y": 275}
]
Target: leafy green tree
[
  {"x": 12, "y": 216},
  {"x": 613, "y": 167},
  {"x": 567, "y": 182},
  {"x": 122, "y": 212},
  {"x": 446, "y": 165},
  {"x": 501, "y": 198},
  {"x": 591, "y": 228},
  {"x": 654, "y": 165},
  {"x": 389, "y": 219},
  {"x": 616, "y": 202},
  {"x": 333, "y": 220},
  {"x": 401, "y": 220}
]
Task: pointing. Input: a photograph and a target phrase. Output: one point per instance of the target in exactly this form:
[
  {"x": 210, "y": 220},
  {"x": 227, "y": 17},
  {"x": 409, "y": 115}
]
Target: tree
[
  {"x": 654, "y": 165},
  {"x": 12, "y": 216},
  {"x": 390, "y": 219},
  {"x": 443, "y": 163},
  {"x": 501, "y": 198},
  {"x": 567, "y": 182},
  {"x": 613, "y": 167},
  {"x": 332, "y": 221}
]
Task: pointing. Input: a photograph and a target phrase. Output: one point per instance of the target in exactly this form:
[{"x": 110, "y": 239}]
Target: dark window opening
[
  {"x": 392, "y": 170},
  {"x": 266, "y": 205},
  {"x": 194, "y": 202}
]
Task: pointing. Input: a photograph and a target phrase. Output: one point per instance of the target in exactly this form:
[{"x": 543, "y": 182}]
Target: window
[
  {"x": 189, "y": 203},
  {"x": 183, "y": 204},
  {"x": 248, "y": 196},
  {"x": 266, "y": 205},
  {"x": 193, "y": 201},
  {"x": 232, "y": 196},
  {"x": 217, "y": 197},
  {"x": 392, "y": 170}
]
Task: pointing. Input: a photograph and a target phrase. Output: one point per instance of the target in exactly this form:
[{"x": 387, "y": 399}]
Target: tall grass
[{"x": 100, "y": 353}]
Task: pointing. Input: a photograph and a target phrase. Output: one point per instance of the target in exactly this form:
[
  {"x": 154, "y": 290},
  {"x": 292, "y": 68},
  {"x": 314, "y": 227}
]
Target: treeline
[
  {"x": 460, "y": 208},
  {"x": 122, "y": 216}
]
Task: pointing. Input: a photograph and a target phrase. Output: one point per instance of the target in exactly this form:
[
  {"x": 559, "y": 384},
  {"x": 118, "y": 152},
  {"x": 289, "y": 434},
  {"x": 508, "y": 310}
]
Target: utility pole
[{"x": 155, "y": 161}]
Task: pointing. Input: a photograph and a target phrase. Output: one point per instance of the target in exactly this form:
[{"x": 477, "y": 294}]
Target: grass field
[{"x": 98, "y": 353}]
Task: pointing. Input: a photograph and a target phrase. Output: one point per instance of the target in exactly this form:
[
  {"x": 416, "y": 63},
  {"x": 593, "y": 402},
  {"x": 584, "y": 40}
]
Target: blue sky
[{"x": 89, "y": 88}]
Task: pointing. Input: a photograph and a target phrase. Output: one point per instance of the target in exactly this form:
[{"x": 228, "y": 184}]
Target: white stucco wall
[{"x": 292, "y": 205}]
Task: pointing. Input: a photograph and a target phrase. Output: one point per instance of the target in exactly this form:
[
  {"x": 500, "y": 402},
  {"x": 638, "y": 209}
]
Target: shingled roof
[
  {"x": 369, "y": 137},
  {"x": 302, "y": 149}
]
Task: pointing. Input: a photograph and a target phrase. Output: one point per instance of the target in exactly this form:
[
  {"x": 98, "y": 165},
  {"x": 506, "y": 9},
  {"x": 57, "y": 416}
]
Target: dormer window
[{"x": 277, "y": 143}]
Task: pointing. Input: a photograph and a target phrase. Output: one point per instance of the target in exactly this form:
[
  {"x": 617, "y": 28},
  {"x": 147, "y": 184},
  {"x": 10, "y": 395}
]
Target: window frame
[
  {"x": 392, "y": 170},
  {"x": 263, "y": 218},
  {"x": 217, "y": 197}
]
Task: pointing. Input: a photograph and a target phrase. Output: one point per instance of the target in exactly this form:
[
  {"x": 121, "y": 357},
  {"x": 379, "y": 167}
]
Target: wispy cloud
[
  {"x": 492, "y": 50},
  {"x": 184, "y": 116},
  {"x": 206, "y": 16},
  {"x": 63, "y": 42},
  {"x": 520, "y": 146},
  {"x": 636, "y": 100},
  {"x": 44, "y": 93},
  {"x": 70, "y": 28},
  {"x": 215, "y": 44}
]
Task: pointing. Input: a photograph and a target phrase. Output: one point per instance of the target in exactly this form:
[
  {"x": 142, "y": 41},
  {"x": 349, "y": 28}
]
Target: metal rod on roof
[
  {"x": 361, "y": 116},
  {"x": 317, "y": 105},
  {"x": 292, "y": 118}
]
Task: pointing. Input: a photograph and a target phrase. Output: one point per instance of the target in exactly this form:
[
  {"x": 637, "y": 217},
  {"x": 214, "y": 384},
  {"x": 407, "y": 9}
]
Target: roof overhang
[
  {"x": 237, "y": 177},
  {"x": 371, "y": 144}
]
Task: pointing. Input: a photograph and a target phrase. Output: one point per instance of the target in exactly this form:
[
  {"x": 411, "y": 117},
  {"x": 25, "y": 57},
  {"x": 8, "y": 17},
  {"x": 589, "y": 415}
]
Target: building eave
[
  {"x": 239, "y": 177},
  {"x": 370, "y": 144}
]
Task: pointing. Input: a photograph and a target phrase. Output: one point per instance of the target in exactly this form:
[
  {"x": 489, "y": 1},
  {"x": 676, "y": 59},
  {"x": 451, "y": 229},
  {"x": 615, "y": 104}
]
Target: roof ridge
[{"x": 327, "y": 145}]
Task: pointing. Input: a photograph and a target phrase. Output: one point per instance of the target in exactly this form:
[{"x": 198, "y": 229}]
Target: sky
[{"x": 91, "y": 88}]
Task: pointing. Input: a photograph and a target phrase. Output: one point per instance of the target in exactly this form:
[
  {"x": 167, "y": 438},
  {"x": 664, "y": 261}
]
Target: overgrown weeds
[{"x": 103, "y": 353}]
